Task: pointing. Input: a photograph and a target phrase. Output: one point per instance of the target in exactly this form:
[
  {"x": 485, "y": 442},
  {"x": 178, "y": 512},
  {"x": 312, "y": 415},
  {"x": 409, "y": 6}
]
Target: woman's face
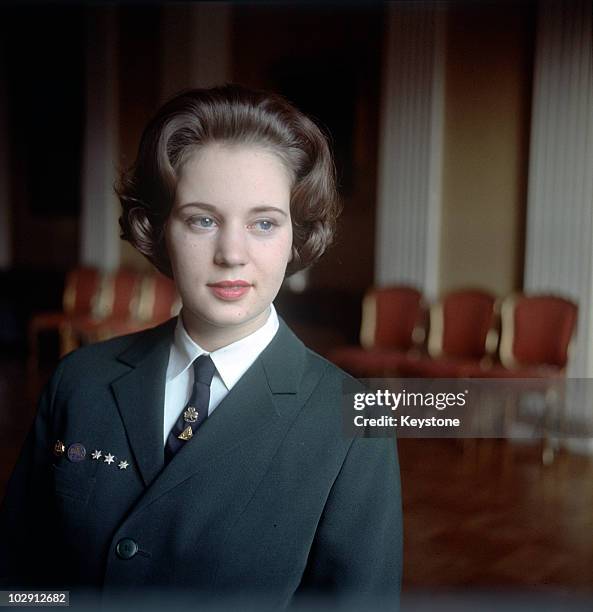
[{"x": 229, "y": 238}]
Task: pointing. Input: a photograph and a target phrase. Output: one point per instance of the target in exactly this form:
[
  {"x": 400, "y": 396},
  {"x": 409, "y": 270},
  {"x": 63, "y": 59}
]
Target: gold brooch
[
  {"x": 186, "y": 434},
  {"x": 190, "y": 415}
]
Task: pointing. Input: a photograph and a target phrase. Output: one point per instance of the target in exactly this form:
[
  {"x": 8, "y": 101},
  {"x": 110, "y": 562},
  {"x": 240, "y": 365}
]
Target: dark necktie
[{"x": 196, "y": 411}]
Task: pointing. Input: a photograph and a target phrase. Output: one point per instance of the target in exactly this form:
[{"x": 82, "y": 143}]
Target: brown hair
[{"x": 235, "y": 115}]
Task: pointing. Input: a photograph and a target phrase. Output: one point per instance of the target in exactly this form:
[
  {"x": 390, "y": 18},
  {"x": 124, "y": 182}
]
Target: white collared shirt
[{"x": 231, "y": 361}]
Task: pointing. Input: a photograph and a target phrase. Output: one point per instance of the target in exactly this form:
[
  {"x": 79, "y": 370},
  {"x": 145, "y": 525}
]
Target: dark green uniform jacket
[{"x": 268, "y": 499}]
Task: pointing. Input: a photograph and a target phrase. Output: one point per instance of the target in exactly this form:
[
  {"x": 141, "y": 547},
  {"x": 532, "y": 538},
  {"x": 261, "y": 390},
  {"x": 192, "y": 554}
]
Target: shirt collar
[{"x": 231, "y": 361}]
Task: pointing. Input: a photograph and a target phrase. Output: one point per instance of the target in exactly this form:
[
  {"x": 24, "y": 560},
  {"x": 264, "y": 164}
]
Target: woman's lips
[{"x": 230, "y": 290}]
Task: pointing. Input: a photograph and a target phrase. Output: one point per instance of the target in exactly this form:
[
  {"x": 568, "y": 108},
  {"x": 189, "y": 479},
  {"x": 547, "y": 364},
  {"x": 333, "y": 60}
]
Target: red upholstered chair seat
[
  {"x": 371, "y": 363},
  {"x": 499, "y": 371},
  {"x": 438, "y": 368}
]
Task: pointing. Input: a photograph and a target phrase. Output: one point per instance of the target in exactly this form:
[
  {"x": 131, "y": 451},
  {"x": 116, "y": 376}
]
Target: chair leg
[
  {"x": 548, "y": 452},
  {"x": 554, "y": 419}
]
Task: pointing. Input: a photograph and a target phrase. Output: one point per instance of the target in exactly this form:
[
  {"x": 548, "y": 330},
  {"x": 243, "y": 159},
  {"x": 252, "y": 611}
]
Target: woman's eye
[
  {"x": 264, "y": 225},
  {"x": 203, "y": 222}
]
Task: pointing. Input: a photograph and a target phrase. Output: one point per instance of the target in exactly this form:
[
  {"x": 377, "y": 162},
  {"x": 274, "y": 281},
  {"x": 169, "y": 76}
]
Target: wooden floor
[
  {"x": 488, "y": 514},
  {"x": 479, "y": 515}
]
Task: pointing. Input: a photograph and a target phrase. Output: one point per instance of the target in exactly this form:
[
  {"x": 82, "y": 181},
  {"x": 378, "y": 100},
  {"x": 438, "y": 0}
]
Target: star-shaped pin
[
  {"x": 109, "y": 458},
  {"x": 123, "y": 465},
  {"x": 96, "y": 454}
]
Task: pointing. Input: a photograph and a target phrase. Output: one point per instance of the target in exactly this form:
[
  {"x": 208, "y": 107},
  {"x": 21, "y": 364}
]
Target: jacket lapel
[
  {"x": 262, "y": 403},
  {"x": 140, "y": 396}
]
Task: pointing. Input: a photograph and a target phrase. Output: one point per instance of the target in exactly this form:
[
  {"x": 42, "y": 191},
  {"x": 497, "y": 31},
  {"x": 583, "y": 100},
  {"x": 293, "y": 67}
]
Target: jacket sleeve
[
  {"x": 357, "y": 551},
  {"x": 26, "y": 527}
]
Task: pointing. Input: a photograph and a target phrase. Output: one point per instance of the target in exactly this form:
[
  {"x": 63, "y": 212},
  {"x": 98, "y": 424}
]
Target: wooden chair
[
  {"x": 80, "y": 291},
  {"x": 537, "y": 331},
  {"x": 155, "y": 301},
  {"x": 113, "y": 303},
  {"x": 391, "y": 329},
  {"x": 462, "y": 335}
]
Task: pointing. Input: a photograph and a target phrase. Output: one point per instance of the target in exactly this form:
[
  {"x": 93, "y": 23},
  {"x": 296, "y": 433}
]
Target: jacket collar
[
  {"x": 264, "y": 392},
  {"x": 283, "y": 369}
]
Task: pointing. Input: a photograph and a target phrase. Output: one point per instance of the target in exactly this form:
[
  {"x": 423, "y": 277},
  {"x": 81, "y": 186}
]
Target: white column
[
  {"x": 410, "y": 148},
  {"x": 559, "y": 242},
  {"x": 100, "y": 243},
  {"x": 196, "y": 46}
]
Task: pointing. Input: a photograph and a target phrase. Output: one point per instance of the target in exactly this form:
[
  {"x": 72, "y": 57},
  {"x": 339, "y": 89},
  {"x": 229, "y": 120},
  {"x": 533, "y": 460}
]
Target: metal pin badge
[
  {"x": 76, "y": 452},
  {"x": 186, "y": 434},
  {"x": 190, "y": 415},
  {"x": 59, "y": 448}
]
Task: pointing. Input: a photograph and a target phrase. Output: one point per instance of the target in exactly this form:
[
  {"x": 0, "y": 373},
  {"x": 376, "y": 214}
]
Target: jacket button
[{"x": 126, "y": 548}]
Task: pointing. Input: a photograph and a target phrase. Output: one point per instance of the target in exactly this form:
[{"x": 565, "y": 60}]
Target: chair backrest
[
  {"x": 157, "y": 299},
  {"x": 116, "y": 294},
  {"x": 460, "y": 324},
  {"x": 80, "y": 290},
  {"x": 536, "y": 330},
  {"x": 389, "y": 317}
]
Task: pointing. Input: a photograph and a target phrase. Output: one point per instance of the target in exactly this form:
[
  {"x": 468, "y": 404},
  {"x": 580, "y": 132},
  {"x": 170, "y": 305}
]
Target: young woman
[{"x": 207, "y": 454}]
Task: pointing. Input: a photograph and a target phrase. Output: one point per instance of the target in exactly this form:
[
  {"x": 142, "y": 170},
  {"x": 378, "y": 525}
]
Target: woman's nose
[{"x": 231, "y": 247}]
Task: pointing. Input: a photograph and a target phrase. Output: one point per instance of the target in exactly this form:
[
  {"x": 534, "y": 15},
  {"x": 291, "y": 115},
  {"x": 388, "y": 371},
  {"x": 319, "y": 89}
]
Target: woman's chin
[{"x": 224, "y": 318}]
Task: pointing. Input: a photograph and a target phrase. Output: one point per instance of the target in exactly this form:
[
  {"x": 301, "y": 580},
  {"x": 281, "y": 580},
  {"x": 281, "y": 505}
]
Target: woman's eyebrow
[
  {"x": 202, "y": 205},
  {"x": 255, "y": 209},
  {"x": 258, "y": 209}
]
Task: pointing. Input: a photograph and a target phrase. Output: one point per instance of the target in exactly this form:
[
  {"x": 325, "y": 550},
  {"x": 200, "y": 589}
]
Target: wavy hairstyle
[{"x": 235, "y": 115}]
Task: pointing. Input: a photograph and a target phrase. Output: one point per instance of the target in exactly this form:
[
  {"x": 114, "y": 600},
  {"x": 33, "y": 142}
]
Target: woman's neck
[{"x": 211, "y": 337}]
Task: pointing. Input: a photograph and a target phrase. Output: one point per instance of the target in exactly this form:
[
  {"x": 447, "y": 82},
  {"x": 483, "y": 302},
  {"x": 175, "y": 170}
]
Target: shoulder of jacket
[
  {"x": 330, "y": 370},
  {"x": 104, "y": 353}
]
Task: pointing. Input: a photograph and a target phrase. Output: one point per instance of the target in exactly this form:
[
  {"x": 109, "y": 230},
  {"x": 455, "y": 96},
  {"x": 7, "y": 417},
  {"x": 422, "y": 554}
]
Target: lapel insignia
[
  {"x": 190, "y": 415},
  {"x": 59, "y": 448},
  {"x": 76, "y": 452},
  {"x": 186, "y": 434}
]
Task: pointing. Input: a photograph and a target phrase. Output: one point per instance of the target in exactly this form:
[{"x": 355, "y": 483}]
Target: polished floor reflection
[{"x": 487, "y": 514}]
